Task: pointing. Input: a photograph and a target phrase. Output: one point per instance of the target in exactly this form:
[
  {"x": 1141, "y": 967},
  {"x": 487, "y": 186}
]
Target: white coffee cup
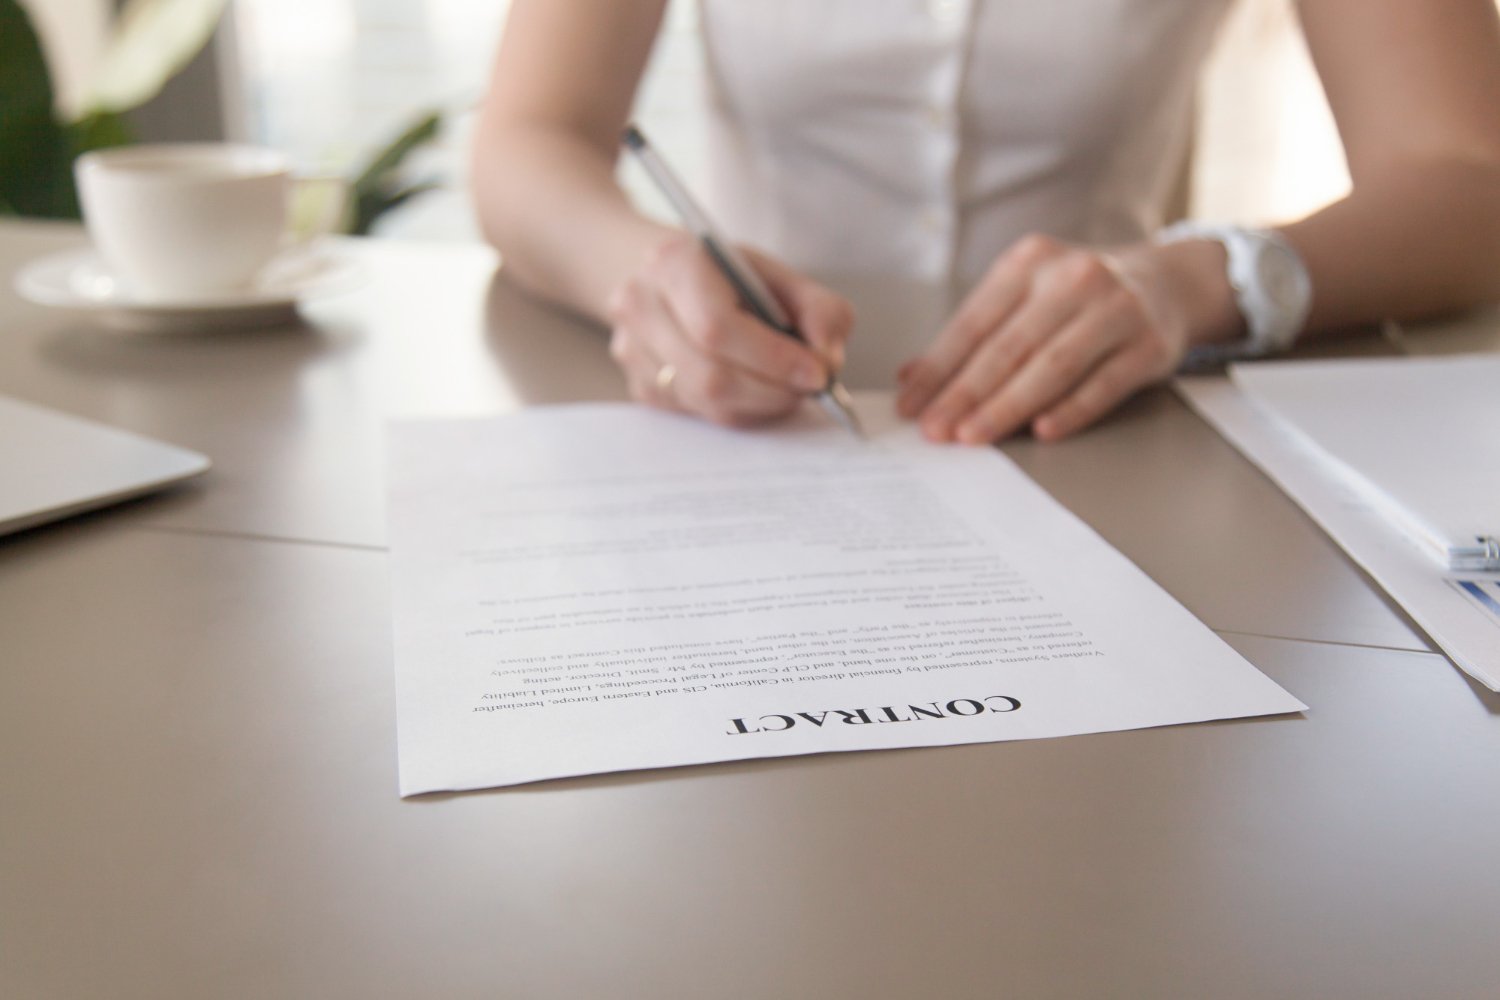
[{"x": 185, "y": 220}]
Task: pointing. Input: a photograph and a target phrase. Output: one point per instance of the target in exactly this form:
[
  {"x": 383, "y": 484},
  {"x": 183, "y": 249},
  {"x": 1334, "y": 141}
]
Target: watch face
[{"x": 1280, "y": 277}]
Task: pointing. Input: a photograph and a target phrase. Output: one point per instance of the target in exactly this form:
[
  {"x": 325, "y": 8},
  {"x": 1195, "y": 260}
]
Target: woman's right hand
[{"x": 685, "y": 343}]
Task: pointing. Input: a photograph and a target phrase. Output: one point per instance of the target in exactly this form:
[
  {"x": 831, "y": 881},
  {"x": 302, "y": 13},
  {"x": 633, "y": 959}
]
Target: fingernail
[
  {"x": 935, "y": 427},
  {"x": 976, "y": 432},
  {"x": 811, "y": 377}
]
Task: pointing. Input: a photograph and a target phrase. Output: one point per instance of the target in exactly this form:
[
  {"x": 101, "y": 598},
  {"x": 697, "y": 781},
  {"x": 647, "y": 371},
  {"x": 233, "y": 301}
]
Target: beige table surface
[{"x": 197, "y": 729}]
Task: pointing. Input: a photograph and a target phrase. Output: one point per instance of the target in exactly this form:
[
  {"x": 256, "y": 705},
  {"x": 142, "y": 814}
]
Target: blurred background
[{"x": 332, "y": 82}]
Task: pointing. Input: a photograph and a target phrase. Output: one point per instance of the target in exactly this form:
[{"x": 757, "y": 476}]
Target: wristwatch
[{"x": 1270, "y": 282}]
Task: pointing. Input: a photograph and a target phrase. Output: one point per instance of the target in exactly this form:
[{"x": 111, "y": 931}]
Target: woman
[{"x": 1017, "y": 153}]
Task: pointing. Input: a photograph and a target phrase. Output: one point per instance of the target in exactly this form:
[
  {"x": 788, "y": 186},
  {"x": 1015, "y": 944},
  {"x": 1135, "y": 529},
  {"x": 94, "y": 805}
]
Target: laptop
[{"x": 53, "y": 465}]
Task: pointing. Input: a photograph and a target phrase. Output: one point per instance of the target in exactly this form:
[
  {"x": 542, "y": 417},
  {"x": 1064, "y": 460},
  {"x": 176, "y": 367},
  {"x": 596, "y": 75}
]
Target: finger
[
  {"x": 987, "y": 307},
  {"x": 704, "y": 384},
  {"x": 1050, "y": 373},
  {"x": 631, "y": 315},
  {"x": 1063, "y": 287},
  {"x": 1039, "y": 319},
  {"x": 642, "y": 370},
  {"x": 820, "y": 314},
  {"x": 708, "y": 311},
  {"x": 1106, "y": 388}
]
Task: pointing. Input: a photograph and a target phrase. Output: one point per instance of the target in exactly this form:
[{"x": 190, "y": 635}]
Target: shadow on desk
[
  {"x": 175, "y": 358},
  {"x": 559, "y": 358},
  {"x": 550, "y": 356},
  {"x": 1004, "y": 761}
]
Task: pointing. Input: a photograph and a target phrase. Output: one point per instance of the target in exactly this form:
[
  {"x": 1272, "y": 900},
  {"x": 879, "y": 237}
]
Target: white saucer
[{"x": 80, "y": 280}]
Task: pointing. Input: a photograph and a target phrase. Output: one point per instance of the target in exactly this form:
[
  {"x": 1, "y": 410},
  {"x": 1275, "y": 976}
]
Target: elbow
[
  {"x": 487, "y": 184},
  {"x": 502, "y": 193},
  {"x": 491, "y": 195}
]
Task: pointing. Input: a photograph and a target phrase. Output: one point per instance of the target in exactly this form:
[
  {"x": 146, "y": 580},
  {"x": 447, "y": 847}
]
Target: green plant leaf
[
  {"x": 36, "y": 175},
  {"x": 152, "y": 40},
  {"x": 99, "y": 130},
  {"x": 378, "y": 172},
  {"x": 371, "y": 206},
  {"x": 377, "y": 189}
]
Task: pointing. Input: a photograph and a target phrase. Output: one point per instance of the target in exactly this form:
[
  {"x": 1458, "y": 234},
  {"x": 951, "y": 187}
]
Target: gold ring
[{"x": 664, "y": 376}]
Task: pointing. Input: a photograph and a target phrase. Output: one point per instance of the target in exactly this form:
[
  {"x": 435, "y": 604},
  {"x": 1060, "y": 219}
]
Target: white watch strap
[{"x": 1274, "y": 316}]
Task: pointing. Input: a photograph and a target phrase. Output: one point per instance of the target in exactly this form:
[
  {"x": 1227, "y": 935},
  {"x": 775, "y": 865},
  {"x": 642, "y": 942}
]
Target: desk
[{"x": 196, "y": 719}]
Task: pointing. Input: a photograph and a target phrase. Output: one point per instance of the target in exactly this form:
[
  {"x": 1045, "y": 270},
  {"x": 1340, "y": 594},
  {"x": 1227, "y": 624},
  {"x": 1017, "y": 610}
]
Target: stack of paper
[
  {"x": 1399, "y": 461},
  {"x": 1420, "y": 437}
]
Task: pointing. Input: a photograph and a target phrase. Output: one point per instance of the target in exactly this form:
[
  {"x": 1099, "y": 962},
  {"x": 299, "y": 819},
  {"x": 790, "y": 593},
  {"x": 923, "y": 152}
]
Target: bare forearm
[
  {"x": 548, "y": 200},
  {"x": 1415, "y": 91},
  {"x": 1405, "y": 244}
]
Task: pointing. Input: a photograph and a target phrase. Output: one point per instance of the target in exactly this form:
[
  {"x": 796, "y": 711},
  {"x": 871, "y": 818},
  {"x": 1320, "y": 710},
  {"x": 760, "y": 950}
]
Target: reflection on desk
[{"x": 196, "y": 709}]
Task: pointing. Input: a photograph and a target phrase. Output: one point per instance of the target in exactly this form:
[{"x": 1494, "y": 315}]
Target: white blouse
[{"x": 918, "y": 138}]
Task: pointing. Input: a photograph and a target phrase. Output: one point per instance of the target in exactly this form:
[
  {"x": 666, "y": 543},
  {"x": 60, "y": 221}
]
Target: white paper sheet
[
  {"x": 1456, "y": 609},
  {"x": 1419, "y": 434},
  {"x": 604, "y": 588}
]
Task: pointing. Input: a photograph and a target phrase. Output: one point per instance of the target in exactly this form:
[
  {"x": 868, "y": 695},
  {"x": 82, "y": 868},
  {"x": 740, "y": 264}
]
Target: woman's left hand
[{"x": 1056, "y": 336}]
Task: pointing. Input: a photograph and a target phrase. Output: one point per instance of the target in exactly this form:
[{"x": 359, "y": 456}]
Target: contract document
[{"x": 596, "y": 588}]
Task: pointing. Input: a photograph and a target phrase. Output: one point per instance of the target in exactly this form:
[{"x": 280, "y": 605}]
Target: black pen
[{"x": 757, "y": 298}]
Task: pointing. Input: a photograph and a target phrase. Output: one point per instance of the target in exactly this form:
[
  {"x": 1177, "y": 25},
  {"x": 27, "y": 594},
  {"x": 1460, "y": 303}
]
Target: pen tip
[
  {"x": 632, "y": 137},
  {"x": 840, "y": 406}
]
